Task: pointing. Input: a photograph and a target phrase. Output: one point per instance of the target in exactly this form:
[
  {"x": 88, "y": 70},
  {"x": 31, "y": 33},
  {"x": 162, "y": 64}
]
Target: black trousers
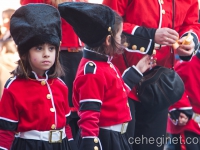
[
  {"x": 110, "y": 140},
  {"x": 150, "y": 128},
  {"x": 191, "y": 141},
  {"x": 70, "y": 62}
]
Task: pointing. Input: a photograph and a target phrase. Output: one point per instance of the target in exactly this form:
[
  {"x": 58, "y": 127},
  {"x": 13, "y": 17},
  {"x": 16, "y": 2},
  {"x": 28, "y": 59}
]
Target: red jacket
[
  {"x": 69, "y": 37},
  {"x": 100, "y": 94},
  {"x": 188, "y": 71},
  {"x": 143, "y": 17},
  {"x": 27, "y": 105}
]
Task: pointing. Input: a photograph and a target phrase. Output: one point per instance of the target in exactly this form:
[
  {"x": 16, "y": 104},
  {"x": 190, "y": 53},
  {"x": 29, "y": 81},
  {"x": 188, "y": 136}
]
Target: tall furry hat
[
  {"x": 91, "y": 22},
  {"x": 35, "y": 24}
]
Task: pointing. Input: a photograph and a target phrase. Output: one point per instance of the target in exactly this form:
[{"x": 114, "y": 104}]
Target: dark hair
[
  {"x": 115, "y": 47},
  {"x": 24, "y": 69}
]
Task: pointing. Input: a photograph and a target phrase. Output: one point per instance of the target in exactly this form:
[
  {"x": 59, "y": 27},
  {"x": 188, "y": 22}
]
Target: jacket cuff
[
  {"x": 185, "y": 58},
  {"x": 2, "y": 148},
  {"x": 138, "y": 44},
  {"x": 131, "y": 77},
  {"x": 90, "y": 143}
]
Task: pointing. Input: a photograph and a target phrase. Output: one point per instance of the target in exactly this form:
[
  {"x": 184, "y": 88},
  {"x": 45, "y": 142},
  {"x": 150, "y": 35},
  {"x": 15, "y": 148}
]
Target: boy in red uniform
[
  {"x": 100, "y": 95},
  {"x": 35, "y": 102}
]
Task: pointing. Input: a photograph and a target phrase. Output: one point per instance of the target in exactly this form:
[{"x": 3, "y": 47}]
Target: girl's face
[{"x": 42, "y": 58}]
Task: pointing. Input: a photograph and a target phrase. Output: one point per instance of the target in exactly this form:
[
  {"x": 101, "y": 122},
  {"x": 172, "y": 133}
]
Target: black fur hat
[
  {"x": 35, "y": 24},
  {"x": 91, "y": 22}
]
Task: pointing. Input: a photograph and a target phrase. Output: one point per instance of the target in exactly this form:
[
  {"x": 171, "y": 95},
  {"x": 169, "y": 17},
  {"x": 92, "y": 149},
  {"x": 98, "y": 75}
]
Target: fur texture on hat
[
  {"x": 35, "y": 24},
  {"x": 91, "y": 22}
]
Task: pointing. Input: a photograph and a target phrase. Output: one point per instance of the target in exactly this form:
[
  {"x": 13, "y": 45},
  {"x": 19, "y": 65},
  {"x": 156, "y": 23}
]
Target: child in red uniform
[
  {"x": 70, "y": 55},
  {"x": 100, "y": 94},
  {"x": 35, "y": 102}
]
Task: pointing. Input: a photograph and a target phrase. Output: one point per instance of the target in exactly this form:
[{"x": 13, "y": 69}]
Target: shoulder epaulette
[
  {"x": 90, "y": 67},
  {"x": 9, "y": 81}
]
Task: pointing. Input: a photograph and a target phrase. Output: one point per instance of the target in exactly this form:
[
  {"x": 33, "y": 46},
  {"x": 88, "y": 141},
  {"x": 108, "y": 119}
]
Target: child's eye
[
  {"x": 52, "y": 48},
  {"x": 39, "y": 48}
]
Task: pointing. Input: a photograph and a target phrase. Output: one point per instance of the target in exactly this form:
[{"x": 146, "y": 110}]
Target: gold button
[
  {"x": 128, "y": 104},
  {"x": 96, "y": 140},
  {"x": 96, "y": 148},
  {"x": 48, "y": 96},
  {"x": 154, "y": 51},
  {"x": 134, "y": 47},
  {"x": 43, "y": 82},
  {"x": 53, "y": 126},
  {"x": 52, "y": 109},
  {"x": 109, "y": 29},
  {"x": 91, "y": 64},
  {"x": 162, "y": 2},
  {"x": 126, "y": 44},
  {"x": 163, "y": 11},
  {"x": 124, "y": 90},
  {"x": 142, "y": 49}
]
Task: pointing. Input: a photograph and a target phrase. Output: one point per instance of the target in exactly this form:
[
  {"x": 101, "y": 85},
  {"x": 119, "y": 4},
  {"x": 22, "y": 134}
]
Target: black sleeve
[
  {"x": 145, "y": 32},
  {"x": 131, "y": 77},
  {"x": 135, "y": 43}
]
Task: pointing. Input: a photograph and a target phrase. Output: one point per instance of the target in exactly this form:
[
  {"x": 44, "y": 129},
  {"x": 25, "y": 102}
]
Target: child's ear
[{"x": 108, "y": 39}]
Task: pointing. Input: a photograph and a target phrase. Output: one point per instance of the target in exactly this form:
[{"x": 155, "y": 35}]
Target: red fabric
[
  {"x": 103, "y": 86},
  {"x": 68, "y": 131},
  {"x": 147, "y": 14},
  {"x": 7, "y": 138},
  {"x": 26, "y": 103},
  {"x": 183, "y": 142}
]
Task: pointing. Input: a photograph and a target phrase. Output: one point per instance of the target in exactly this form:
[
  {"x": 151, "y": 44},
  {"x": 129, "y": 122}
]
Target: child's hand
[
  {"x": 145, "y": 63},
  {"x": 182, "y": 120}
]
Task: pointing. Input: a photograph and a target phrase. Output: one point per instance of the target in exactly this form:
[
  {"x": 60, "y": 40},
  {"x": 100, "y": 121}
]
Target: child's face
[
  {"x": 6, "y": 21},
  {"x": 42, "y": 58}
]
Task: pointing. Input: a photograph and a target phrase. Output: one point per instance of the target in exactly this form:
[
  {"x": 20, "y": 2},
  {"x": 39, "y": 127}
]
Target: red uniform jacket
[
  {"x": 28, "y": 105},
  {"x": 100, "y": 94},
  {"x": 143, "y": 17},
  {"x": 69, "y": 37},
  {"x": 188, "y": 71}
]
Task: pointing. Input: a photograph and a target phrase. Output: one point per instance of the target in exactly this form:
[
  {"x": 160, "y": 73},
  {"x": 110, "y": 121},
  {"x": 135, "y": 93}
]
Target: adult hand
[
  {"x": 185, "y": 50},
  {"x": 166, "y": 36},
  {"x": 145, "y": 63},
  {"x": 182, "y": 120}
]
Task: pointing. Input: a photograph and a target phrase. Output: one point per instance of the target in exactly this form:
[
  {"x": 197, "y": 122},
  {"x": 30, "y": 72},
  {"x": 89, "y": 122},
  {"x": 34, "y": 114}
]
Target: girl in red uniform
[
  {"x": 35, "y": 102},
  {"x": 100, "y": 94}
]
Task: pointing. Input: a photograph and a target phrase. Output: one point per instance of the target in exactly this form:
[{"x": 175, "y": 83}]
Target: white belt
[
  {"x": 119, "y": 127},
  {"x": 196, "y": 117},
  {"x": 53, "y": 136}
]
